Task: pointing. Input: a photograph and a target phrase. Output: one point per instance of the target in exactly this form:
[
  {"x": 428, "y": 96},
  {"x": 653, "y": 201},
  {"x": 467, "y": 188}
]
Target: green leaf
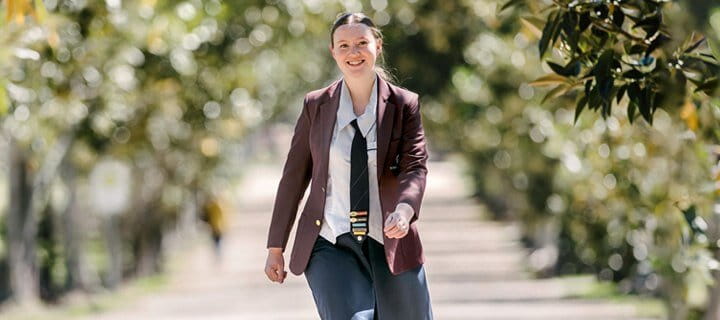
[
  {"x": 695, "y": 45},
  {"x": 650, "y": 23},
  {"x": 548, "y": 31},
  {"x": 618, "y": 17},
  {"x": 571, "y": 70},
  {"x": 556, "y": 92},
  {"x": 715, "y": 47},
  {"x": 550, "y": 79},
  {"x": 708, "y": 59},
  {"x": 621, "y": 93},
  {"x": 645, "y": 104},
  {"x": 584, "y": 22},
  {"x": 511, "y": 3},
  {"x": 595, "y": 100},
  {"x": 632, "y": 109},
  {"x": 633, "y": 74},
  {"x": 579, "y": 108},
  {"x": 604, "y": 64},
  {"x": 534, "y": 24},
  {"x": 709, "y": 87}
]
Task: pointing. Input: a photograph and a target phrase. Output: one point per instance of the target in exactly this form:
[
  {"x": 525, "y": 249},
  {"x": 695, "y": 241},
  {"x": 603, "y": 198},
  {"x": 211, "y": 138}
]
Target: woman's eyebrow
[{"x": 356, "y": 39}]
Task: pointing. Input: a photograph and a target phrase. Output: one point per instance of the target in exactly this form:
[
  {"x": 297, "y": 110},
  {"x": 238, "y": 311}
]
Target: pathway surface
[{"x": 475, "y": 268}]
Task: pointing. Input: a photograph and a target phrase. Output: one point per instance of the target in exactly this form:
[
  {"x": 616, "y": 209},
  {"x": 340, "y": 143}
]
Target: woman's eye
[
  {"x": 343, "y": 46},
  {"x": 363, "y": 43}
]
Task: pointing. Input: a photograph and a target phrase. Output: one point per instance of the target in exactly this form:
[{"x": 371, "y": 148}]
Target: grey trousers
[{"x": 350, "y": 281}]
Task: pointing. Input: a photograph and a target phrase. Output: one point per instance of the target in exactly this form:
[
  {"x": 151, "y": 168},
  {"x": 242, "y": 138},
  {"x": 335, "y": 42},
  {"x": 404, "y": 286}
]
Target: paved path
[{"x": 475, "y": 268}]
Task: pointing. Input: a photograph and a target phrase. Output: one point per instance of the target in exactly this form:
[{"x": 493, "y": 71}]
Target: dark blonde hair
[{"x": 357, "y": 17}]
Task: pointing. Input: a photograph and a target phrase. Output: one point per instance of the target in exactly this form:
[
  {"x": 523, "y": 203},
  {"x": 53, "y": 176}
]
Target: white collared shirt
[{"x": 336, "y": 219}]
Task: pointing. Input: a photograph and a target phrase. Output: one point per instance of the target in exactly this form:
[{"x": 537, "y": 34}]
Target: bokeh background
[{"x": 125, "y": 125}]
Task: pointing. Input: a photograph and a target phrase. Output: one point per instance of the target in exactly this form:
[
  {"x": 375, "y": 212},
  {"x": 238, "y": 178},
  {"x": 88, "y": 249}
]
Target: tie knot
[{"x": 355, "y": 125}]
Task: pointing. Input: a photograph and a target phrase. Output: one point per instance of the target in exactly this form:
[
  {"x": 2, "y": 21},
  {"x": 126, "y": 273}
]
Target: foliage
[{"x": 609, "y": 49}]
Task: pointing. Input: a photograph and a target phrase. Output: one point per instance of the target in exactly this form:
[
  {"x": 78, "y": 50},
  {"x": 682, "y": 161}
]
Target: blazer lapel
[
  {"x": 385, "y": 116},
  {"x": 328, "y": 117}
]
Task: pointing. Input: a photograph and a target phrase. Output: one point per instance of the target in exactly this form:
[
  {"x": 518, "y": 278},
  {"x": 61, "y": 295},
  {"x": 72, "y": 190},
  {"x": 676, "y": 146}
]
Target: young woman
[{"x": 361, "y": 143}]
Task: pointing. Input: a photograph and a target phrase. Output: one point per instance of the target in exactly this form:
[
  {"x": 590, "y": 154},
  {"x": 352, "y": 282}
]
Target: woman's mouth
[{"x": 355, "y": 63}]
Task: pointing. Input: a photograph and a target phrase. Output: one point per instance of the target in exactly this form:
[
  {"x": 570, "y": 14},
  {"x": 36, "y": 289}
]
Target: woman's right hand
[{"x": 275, "y": 265}]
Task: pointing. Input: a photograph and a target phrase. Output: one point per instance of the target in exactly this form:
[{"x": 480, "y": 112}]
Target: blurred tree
[
  {"x": 609, "y": 50},
  {"x": 167, "y": 88}
]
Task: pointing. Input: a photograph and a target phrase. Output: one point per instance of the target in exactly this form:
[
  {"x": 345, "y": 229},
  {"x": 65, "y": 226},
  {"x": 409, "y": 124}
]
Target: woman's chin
[{"x": 357, "y": 72}]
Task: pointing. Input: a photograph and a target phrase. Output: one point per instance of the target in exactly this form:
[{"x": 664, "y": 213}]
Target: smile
[{"x": 355, "y": 63}]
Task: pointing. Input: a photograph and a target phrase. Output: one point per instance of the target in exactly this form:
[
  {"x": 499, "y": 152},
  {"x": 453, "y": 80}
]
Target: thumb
[{"x": 389, "y": 222}]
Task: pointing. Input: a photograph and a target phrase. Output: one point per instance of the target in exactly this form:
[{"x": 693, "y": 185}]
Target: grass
[
  {"x": 82, "y": 305},
  {"x": 79, "y": 305},
  {"x": 591, "y": 288}
]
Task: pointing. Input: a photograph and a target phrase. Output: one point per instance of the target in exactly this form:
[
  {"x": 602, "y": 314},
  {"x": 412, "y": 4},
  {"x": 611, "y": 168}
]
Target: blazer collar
[
  {"x": 384, "y": 119},
  {"x": 346, "y": 114}
]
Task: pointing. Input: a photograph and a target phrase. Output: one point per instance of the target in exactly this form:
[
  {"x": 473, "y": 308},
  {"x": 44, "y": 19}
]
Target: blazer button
[
  {"x": 317, "y": 223},
  {"x": 323, "y": 189}
]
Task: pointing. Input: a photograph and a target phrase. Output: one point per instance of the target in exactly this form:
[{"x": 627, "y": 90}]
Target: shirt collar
[{"x": 345, "y": 113}]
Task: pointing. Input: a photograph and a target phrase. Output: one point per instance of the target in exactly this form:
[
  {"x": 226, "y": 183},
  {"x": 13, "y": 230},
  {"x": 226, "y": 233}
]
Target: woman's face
[{"x": 355, "y": 50}]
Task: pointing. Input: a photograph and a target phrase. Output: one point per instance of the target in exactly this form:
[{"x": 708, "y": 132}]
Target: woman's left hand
[{"x": 397, "y": 224}]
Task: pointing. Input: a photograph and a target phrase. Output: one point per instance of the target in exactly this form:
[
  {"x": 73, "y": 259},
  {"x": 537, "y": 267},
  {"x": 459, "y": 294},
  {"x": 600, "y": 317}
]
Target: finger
[
  {"x": 398, "y": 230},
  {"x": 392, "y": 233},
  {"x": 270, "y": 273},
  {"x": 390, "y": 223},
  {"x": 395, "y": 233},
  {"x": 279, "y": 273},
  {"x": 391, "y": 228}
]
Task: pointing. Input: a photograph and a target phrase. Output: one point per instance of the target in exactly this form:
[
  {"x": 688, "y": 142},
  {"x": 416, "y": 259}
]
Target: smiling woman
[
  {"x": 354, "y": 36},
  {"x": 361, "y": 143}
]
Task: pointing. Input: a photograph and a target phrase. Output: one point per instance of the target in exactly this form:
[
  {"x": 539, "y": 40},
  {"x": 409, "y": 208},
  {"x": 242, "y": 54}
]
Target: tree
[{"x": 626, "y": 53}]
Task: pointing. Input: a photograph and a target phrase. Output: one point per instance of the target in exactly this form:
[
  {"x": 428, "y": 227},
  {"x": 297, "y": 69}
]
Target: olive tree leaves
[{"x": 616, "y": 49}]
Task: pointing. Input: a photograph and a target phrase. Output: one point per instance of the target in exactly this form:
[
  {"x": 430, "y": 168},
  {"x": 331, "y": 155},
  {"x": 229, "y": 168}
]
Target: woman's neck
[{"x": 360, "y": 91}]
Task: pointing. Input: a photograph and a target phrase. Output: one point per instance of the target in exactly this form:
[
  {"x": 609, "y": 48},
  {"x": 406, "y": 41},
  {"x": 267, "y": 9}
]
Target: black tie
[{"x": 359, "y": 190}]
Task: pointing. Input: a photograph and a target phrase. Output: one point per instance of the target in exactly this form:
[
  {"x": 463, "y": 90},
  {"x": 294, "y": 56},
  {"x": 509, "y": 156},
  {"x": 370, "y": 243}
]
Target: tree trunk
[
  {"x": 80, "y": 275},
  {"x": 713, "y": 309},
  {"x": 21, "y": 230},
  {"x": 114, "y": 244},
  {"x": 712, "y": 312},
  {"x": 148, "y": 251}
]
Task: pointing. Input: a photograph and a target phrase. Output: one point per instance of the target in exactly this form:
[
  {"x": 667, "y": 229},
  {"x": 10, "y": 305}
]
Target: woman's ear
[{"x": 379, "y": 44}]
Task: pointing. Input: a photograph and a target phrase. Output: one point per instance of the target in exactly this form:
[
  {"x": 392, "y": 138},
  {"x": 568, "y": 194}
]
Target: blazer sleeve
[
  {"x": 413, "y": 159},
  {"x": 295, "y": 179}
]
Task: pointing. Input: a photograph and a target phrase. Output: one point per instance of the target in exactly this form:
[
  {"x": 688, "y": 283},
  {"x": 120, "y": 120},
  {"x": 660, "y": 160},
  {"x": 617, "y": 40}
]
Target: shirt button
[{"x": 317, "y": 223}]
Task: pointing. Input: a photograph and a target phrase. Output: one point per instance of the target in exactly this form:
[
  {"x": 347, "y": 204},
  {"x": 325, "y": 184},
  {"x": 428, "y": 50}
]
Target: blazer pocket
[{"x": 395, "y": 165}]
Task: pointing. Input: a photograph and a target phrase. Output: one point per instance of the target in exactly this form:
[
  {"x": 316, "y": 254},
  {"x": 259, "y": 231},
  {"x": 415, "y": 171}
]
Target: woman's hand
[
  {"x": 275, "y": 265},
  {"x": 397, "y": 223}
]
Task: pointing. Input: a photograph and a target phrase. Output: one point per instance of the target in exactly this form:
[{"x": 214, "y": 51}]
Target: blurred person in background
[
  {"x": 214, "y": 212},
  {"x": 361, "y": 143}
]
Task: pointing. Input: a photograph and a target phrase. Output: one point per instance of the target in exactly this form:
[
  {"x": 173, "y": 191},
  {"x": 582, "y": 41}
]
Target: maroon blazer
[{"x": 401, "y": 158}]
